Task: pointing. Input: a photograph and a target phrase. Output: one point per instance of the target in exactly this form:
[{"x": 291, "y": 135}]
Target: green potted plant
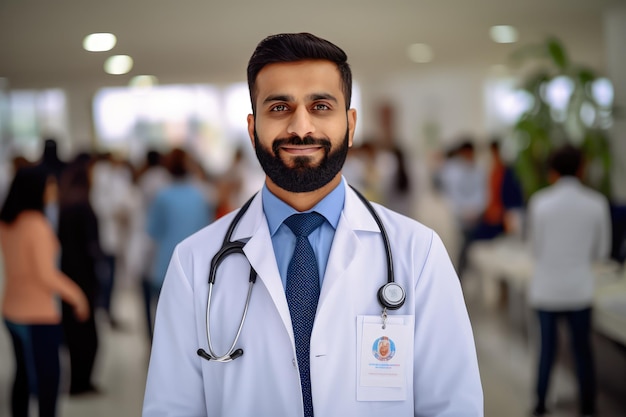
[{"x": 571, "y": 104}]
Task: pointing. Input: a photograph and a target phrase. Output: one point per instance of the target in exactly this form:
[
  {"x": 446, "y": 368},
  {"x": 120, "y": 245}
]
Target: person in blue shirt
[{"x": 177, "y": 211}]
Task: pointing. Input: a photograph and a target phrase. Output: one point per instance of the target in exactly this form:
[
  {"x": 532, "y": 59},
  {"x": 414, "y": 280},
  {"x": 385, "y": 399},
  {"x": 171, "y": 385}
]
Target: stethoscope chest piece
[{"x": 391, "y": 296}]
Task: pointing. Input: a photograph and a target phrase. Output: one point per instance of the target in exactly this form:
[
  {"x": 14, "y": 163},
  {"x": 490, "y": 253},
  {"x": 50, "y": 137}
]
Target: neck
[{"x": 303, "y": 201}]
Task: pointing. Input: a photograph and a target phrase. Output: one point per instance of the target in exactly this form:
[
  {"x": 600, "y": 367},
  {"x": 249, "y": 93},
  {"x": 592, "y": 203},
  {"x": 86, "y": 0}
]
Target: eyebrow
[{"x": 311, "y": 97}]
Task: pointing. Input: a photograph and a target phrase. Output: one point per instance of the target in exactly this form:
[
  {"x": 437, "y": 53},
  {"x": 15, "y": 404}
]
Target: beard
[{"x": 303, "y": 176}]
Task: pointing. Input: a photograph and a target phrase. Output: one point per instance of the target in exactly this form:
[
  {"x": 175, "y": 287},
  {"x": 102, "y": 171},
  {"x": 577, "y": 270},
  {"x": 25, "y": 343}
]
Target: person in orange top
[
  {"x": 505, "y": 200},
  {"x": 33, "y": 287}
]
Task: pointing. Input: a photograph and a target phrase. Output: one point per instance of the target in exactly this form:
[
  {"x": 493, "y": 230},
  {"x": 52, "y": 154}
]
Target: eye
[
  {"x": 321, "y": 106},
  {"x": 279, "y": 108}
]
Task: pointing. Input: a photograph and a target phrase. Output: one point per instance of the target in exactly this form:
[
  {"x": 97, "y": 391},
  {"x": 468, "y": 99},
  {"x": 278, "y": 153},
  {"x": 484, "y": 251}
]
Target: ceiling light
[
  {"x": 118, "y": 64},
  {"x": 503, "y": 34},
  {"x": 99, "y": 42},
  {"x": 420, "y": 53}
]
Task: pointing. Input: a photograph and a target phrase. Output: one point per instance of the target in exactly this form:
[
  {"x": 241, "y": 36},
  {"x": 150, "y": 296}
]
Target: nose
[{"x": 300, "y": 123}]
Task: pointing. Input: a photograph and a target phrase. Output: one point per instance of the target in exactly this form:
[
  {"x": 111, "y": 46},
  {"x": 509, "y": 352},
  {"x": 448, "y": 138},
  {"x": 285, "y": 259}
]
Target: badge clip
[{"x": 384, "y": 316}]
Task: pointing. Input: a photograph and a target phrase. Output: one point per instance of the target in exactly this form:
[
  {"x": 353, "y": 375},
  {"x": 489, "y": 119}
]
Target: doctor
[{"x": 301, "y": 129}]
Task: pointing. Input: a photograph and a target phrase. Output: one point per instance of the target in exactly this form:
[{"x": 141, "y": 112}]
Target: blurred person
[
  {"x": 111, "y": 198},
  {"x": 362, "y": 169},
  {"x": 32, "y": 284},
  {"x": 309, "y": 321},
  {"x": 7, "y": 172},
  {"x": 50, "y": 158},
  {"x": 80, "y": 255},
  {"x": 569, "y": 228},
  {"x": 230, "y": 186},
  {"x": 152, "y": 177},
  {"x": 399, "y": 189},
  {"x": 198, "y": 175},
  {"x": 463, "y": 182},
  {"x": 177, "y": 211},
  {"x": 505, "y": 199},
  {"x": 240, "y": 181},
  {"x": 53, "y": 165}
]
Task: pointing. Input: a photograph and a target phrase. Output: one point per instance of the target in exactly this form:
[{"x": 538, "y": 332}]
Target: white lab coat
[{"x": 442, "y": 381}]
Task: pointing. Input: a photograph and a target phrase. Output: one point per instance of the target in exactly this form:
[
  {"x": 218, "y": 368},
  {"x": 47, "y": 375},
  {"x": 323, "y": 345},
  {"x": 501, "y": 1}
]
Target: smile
[{"x": 301, "y": 149}]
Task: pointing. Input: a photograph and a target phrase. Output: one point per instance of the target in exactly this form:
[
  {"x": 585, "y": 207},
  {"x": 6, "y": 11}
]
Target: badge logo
[{"x": 383, "y": 348}]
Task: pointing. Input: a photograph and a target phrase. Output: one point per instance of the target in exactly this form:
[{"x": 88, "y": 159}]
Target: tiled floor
[{"x": 506, "y": 360}]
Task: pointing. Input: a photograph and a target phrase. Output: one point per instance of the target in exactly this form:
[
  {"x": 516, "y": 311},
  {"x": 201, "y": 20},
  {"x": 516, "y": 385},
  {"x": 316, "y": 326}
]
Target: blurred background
[{"x": 429, "y": 76}]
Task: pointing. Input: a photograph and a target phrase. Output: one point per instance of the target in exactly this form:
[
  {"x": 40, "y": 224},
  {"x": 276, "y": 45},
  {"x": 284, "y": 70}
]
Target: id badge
[{"x": 385, "y": 357}]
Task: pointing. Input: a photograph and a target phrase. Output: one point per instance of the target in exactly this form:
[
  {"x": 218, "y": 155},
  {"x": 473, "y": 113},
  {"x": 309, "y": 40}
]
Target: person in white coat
[
  {"x": 301, "y": 129},
  {"x": 569, "y": 229}
]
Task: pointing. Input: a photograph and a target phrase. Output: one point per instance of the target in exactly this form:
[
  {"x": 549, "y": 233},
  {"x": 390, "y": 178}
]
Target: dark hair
[
  {"x": 566, "y": 160},
  {"x": 153, "y": 158},
  {"x": 177, "y": 163},
  {"x": 75, "y": 184},
  {"x": 466, "y": 145},
  {"x": 293, "y": 47},
  {"x": 26, "y": 193}
]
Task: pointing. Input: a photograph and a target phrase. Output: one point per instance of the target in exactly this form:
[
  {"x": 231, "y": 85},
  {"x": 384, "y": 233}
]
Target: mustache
[{"x": 297, "y": 140}]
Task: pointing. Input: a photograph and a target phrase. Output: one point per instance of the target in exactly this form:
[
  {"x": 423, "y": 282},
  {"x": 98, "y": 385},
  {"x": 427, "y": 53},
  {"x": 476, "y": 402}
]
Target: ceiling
[{"x": 211, "y": 41}]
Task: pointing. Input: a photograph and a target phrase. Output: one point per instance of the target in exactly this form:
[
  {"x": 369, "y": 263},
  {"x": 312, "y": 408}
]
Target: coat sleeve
[
  {"x": 446, "y": 376},
  {"x": 174, "y": 385}
]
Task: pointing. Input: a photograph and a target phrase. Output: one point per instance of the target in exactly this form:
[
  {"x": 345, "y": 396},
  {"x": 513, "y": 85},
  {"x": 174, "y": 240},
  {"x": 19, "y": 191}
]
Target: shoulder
[
  {"x": 595, "y": 198},
  {"x": 33, "y": 218},
  {"x": 34, "y": 223},
  {"x": 541, "y": 195}
]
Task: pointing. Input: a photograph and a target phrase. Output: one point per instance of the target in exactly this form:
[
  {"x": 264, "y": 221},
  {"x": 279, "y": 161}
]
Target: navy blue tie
[{"x": 303, "y": 290}]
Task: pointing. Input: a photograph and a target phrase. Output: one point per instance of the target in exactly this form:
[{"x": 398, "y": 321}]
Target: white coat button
[{"x": 293, "y": 361}]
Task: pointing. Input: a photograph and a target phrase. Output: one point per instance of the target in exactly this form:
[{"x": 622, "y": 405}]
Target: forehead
[{"x": 299, "y": 79}]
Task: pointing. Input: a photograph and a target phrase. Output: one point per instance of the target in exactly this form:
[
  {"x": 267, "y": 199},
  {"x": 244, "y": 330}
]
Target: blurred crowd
[{"x": 76, "y": 230}]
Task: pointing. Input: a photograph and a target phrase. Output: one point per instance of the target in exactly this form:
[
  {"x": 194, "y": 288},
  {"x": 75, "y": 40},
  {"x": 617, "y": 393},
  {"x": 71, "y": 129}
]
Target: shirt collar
[
  {"x": 276, "y": 210},
  {"x": 568, "y": 180}
]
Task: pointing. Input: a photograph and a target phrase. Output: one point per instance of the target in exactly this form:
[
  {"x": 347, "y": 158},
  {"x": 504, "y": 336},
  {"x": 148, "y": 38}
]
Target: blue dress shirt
[{"x": 283, "y": 239}]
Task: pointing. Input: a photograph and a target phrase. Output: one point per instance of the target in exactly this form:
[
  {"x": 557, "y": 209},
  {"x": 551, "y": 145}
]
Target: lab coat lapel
[
  {"x": 345, "y": 248},
  {"x": 260, "y": 254}
]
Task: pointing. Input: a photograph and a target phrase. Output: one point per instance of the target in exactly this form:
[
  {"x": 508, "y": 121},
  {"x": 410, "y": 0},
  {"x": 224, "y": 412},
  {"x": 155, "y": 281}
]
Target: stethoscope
[{"x": 391, "y": 296}]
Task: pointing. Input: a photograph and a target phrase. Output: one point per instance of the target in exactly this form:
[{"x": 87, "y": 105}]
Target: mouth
[{"x": 300, "y": 150}]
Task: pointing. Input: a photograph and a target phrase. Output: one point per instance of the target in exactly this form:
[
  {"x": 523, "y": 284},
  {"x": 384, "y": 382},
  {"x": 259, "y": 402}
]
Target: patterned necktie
[{"x": 303, "y": 290}]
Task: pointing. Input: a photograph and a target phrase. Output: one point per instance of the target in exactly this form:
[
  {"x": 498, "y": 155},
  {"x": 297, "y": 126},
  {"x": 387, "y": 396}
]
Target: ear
[
  {"x": 351, "y": 125},
  {"x": 251, "y": 128}
]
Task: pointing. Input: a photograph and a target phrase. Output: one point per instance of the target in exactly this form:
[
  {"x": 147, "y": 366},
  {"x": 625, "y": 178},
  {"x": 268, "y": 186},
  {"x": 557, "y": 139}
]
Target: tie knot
[{"x": 303, "y": 224}]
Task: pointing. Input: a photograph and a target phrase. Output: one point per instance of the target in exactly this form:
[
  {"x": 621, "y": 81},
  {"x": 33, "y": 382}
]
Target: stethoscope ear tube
[
  {"x": 232, "y": 353},
  {"x": 390, "y": 295}
]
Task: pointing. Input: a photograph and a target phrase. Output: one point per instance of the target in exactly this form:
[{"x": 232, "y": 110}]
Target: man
[
  {"x": 301, "y": 129},
  {"x": 569, "y": 226},
  {"x": 464, "y": 185}
]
